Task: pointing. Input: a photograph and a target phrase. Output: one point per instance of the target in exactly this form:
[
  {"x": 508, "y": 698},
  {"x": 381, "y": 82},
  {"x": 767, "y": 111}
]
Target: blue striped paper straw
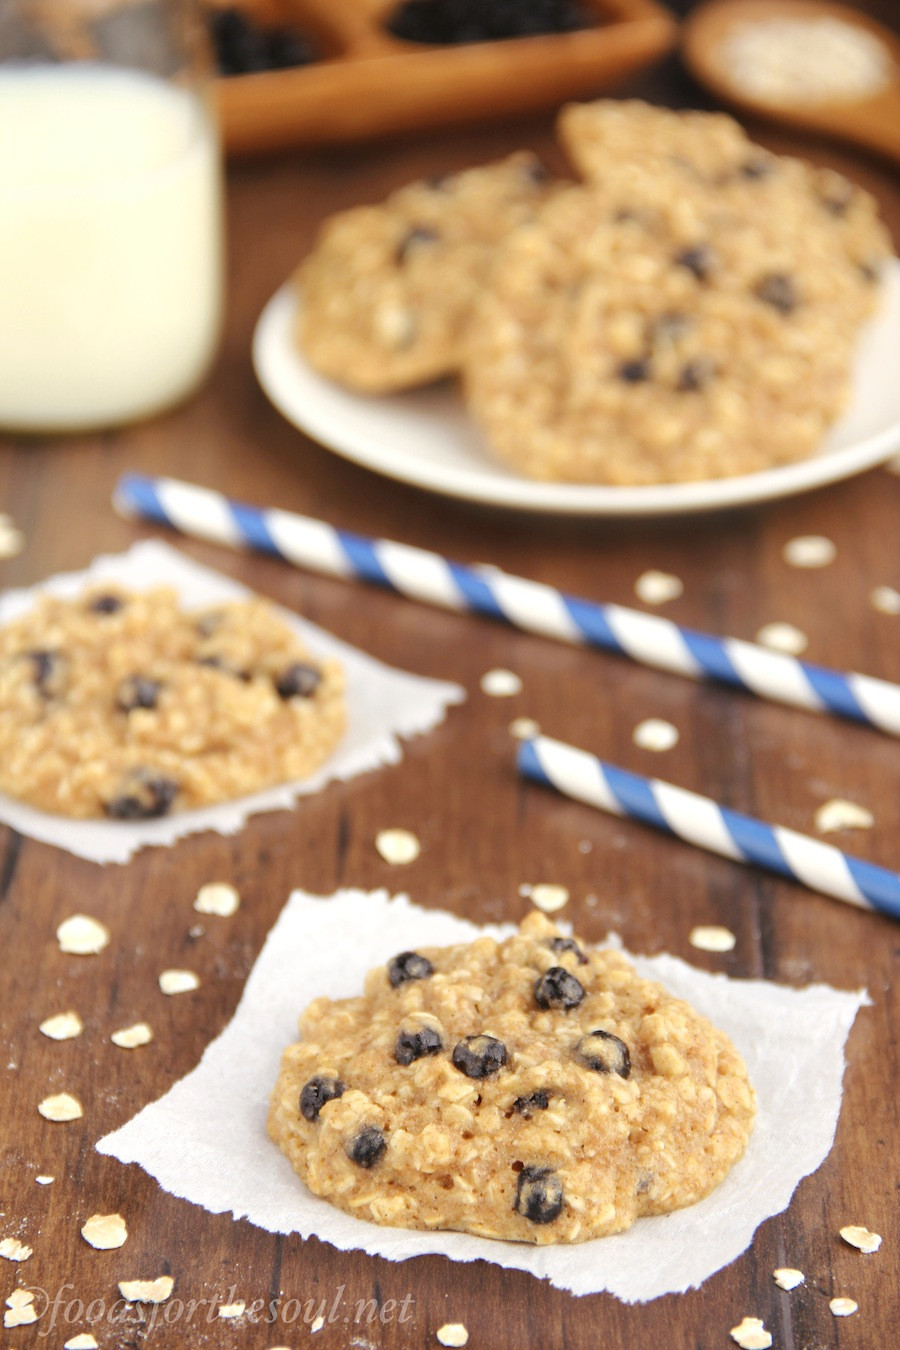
[
  {"x": 530, "y": 605},
  {"x": 701, "y": 821}
]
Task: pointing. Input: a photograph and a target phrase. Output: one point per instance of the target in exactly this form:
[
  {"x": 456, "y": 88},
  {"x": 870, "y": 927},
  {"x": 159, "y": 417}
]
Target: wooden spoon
[{"x": 873, "y": 122}]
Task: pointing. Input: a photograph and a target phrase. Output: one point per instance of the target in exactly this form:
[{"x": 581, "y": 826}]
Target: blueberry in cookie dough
[{"x": 533, "y": 1090}]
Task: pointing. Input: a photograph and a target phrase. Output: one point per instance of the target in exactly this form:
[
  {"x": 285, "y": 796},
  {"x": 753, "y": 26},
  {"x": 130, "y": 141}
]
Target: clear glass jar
[{"x": 110, "y": 210}]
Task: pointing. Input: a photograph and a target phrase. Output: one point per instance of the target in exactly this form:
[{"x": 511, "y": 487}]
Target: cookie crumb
[
  {"x": 178, "y": 981},
  {"x": 231, "y": 1310},
  {"x": 217, "y": 897},
  {"x": 14, "y": 1250},
  {"x": 61, "y": 1106},
  {"x": 44, "y": 1180},
  {"x": 318, "y": 1324},
  {"x": 751, "y": 1334},
  {"x": 501, "y": 683},
  {"x": 524, "y": 728},
  {"x": 129, "y": 1038},
  {"x": 147, "y": 1291},
  {"x": 861, "y": 1238},
  {"x": 786, "y": 1277},
  {"x": 783, "y": 637},
  {"x": 398, "y": 846},
  {"x": 104, "y": 1231},
  {"x": 453, "y": 1333},
  {"x": 839, "y": 814},
  {"x": 63, "y": 1026},
  {"x": 656, "y": 588},
  {"x": 20, "y": 1310},
  {"x": 809, "y": 550},
  {"x": 83, "y": 1341},
  {"x": 655, "y": 734},
  {"x": 885, "y": 599},
  {"x": 80, "y": 935},
  {"x": 712, "y": 938},
  {"x": 548, "y": 898},
  {"x": 843, "y": 1307}
]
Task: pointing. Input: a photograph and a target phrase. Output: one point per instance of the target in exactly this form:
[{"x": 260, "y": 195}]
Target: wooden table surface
[{"x": 483, "y": 834}]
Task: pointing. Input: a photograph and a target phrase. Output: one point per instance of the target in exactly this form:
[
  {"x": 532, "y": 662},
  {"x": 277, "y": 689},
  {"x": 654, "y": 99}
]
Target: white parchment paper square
[
  {"x": 383, "y": 704},
  {"x": 206, "y": 1141}
]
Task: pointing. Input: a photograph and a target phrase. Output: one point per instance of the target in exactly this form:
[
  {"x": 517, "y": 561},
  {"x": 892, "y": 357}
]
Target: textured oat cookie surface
[
  {"x": 122, "y": 704},
  {"x": 530, "y": 1090},
  {"x": 386, "y": 290}
]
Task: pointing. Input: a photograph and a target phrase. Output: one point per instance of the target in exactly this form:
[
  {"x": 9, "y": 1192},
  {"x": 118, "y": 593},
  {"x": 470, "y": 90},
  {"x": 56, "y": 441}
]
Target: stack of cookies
[{"x": 689, "y": 310}]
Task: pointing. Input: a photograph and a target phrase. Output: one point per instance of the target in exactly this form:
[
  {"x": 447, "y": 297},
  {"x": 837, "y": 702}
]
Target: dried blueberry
[
  {"x": 317, "y": 1092},
  {"x": 49, "y": 672},
  {"x": 539, "y": 1195},
  {"x": 479, "y": 1056},
  {"x": 634, "y": 372},
  {"x": 756, "y": 168},
  {"x": 298, "y": 681},
  {"x": 457, "y": 21},
  {"x": 367, "y": 1148},
  {"x": 143, "y": 795},
  {"x": 604, "y": 1053},
  {"x": 699, "y": 259},
  {"x": 408, "y": 966},
  {"x": 566, "y": 944},
  {"x": 536, "y": 172},
  {"x": 538, "y": 1101},
  {"x": 136, "y": 691},
  {"x": 106, "y": 604},
  {"x": 416, "y": 1044},
  {"x": 558, "y": 989},
  {"x": 779, "y": 291},
  {"x": 414, "y": 239},
  {"x": 870, "y": 271},
  {"x": 695, "y": 374}
]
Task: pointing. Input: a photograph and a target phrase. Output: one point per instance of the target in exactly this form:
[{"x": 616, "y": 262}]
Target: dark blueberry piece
[
  {"x": 756, "y": 168},
  {"x": 779, "y": 291},
  {"x": 558, "y": 989},
  {"x": 208, "y": 623},
  {"x": 106, "y": 604},
  {"x": 536, "y": 172},
  {"x": 416, "y": 1044},
  {"x": 699, "y": 259},
  {"x": 144, "y": 795},
  {"x": 367, "y": 1148},
  {"x": 604, "y": 1053},
  {"x": 137, "y": 692},
  {"x": 539, "y": 1195},
  {"x": 538, "y": 1101},
  {"x": 479, "y": 1056},
  {"x": 286, "y": 48},
  {"x": 408, "y": 966},
  {"x": 414, "y": 239},
  {"x": 226, "y": 667},
  {"x": 836, "y": 195},
  {"x": 871, "y": 270},
  {"x": 670, "y": 327},
  {"x": 564, "y": 944},
  {"x": 49, "y": 672},
  {"x": 635, "y": 372},
  {"x": 298, "y": 681},
  {"x": 317, "y": 1092},
  {"x": 695, "y": 374}
]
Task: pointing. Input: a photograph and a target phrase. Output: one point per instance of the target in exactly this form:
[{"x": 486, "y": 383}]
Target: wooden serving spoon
[{"x": 873, "y": 121}]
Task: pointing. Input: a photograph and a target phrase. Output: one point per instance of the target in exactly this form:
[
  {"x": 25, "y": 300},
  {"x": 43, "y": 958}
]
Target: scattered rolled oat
[
  {"x": 81, "y": 935},
  {"x": 783, "y": 637},
  {"x": 147, "y": 1291},
  {"x": 217, "y": 897},
  {"x": 63, "y": 1026},
  {"x": 655, "y": 588},
  {"x": 786, "y": 1277},
  {"x": 712, "y": 938},
  {"x": 20, "y": 1309},
  {"x": 809, "y": 550},
  {"x": 501, "y": 683},
  {"x": 751, "y": 1334},
  {"x": 655, "y": 734},
  {"x": 12, "y": 540},
  {"x": 318, "y": 1324},
  {"x": 229, "y": 1310},
  {"x": 129, "y": 1038},
  {"x": 524, "y": 728},
  {"x": 839, "y": 814},
  {"x": 843, "y": 1307},
  {"x": 453, "y": 1333},
  {"x": 44, "y": 1180},
  {"x": 104, "y": 1231},
  {"x": 861, "y": 1238},
  {"x": 398, "y": 846},
  {"x": 548, "y": 898},
  {"x": 83, "y": 1341},
  {"x": 178, "y": 981},
  {"x": 62, "y": 1106},
  {"x": 885, "y": 599},
  {"x": 14, "y": 1250}
]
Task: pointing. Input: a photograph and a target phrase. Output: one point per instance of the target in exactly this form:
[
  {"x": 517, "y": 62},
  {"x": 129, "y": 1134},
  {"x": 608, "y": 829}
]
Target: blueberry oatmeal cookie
[
  {"x": 386, "y": 290},
  {"x": 124, "y": 705},
  {"x": 533, "y": 1090}
]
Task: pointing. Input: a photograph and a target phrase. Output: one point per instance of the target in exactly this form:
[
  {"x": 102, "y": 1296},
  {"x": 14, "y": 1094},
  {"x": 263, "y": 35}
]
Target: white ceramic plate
[{"x": 425, "y": 437}]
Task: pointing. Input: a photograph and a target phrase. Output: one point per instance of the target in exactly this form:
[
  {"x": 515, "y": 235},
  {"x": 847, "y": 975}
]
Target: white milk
[{"x": 110, "y": 245}]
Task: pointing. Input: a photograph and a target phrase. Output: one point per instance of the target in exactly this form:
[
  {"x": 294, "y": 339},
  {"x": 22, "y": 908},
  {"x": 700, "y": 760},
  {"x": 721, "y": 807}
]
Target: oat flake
[
  {"x": 398, "y": 846},
  {"x": 843, "y": 1307},
  {"x": 63, "y": 1026},
  {"x": 83, "y": 1341},
  {"x": 751, "y": 1334},
  {"x": 129, "y": 1038},
  {"x": 655, "y": 588},
  {"x": 712, "y": 938},
  {"x": 885, "y": 599},
  {"x": 548, "y": 898},
  {"x": 501, "y": 683},
  {"x": 786, "y": 1277},
  {"x": 524, "y": 728},
  {"x": 81, "y": 935},
  {"x": 147, "y": 1291},
  {"x": 12, "y": 540},
  {"x": 809, "y": 550},
  {"x": 453, "y": 1333},
  {"x": 229, "y": 1310},
  {"x": 655, "y": 734},
  {"x": 839, "y": 814},
  {"x": 861, "y": 1238},
  {"x": 104, "y": 1231},
  {"x": 20, "y": 1310},
  {"x": 62, "y": 1106},
  {"x": 217, "y": 897},
  {"x": 44, "y": 1180},
  {"x": 14, "y": 1250},
  {"x": 178, "y": 981},
  {"x": 783, "y": 637},
  {"x": 318, "y": 1324}
]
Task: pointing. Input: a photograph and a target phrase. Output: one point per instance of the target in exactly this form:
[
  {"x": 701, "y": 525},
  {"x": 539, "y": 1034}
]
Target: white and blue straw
[
  {"x": 529, "y": 605},
  {"x": 701, "y": 821}
]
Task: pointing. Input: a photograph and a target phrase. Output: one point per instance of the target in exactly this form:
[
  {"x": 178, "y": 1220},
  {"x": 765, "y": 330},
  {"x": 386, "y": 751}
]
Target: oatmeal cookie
[
  {"x": 386, "y": 290},
  {"x": 124, "y": 705},
  {"x": 532, "y": 1090}
]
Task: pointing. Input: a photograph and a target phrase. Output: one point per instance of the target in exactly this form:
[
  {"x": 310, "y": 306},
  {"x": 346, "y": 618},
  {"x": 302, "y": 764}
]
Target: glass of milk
[{"x": 110, "y": 211}]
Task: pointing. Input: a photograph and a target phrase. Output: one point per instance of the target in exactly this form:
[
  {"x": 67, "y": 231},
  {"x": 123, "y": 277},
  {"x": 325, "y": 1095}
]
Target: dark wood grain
[{"x": 484, "y": 833}]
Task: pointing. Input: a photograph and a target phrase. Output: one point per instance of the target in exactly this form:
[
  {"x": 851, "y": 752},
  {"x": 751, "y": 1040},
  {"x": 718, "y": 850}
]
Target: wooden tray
[{"x": 370, "y": 84}]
